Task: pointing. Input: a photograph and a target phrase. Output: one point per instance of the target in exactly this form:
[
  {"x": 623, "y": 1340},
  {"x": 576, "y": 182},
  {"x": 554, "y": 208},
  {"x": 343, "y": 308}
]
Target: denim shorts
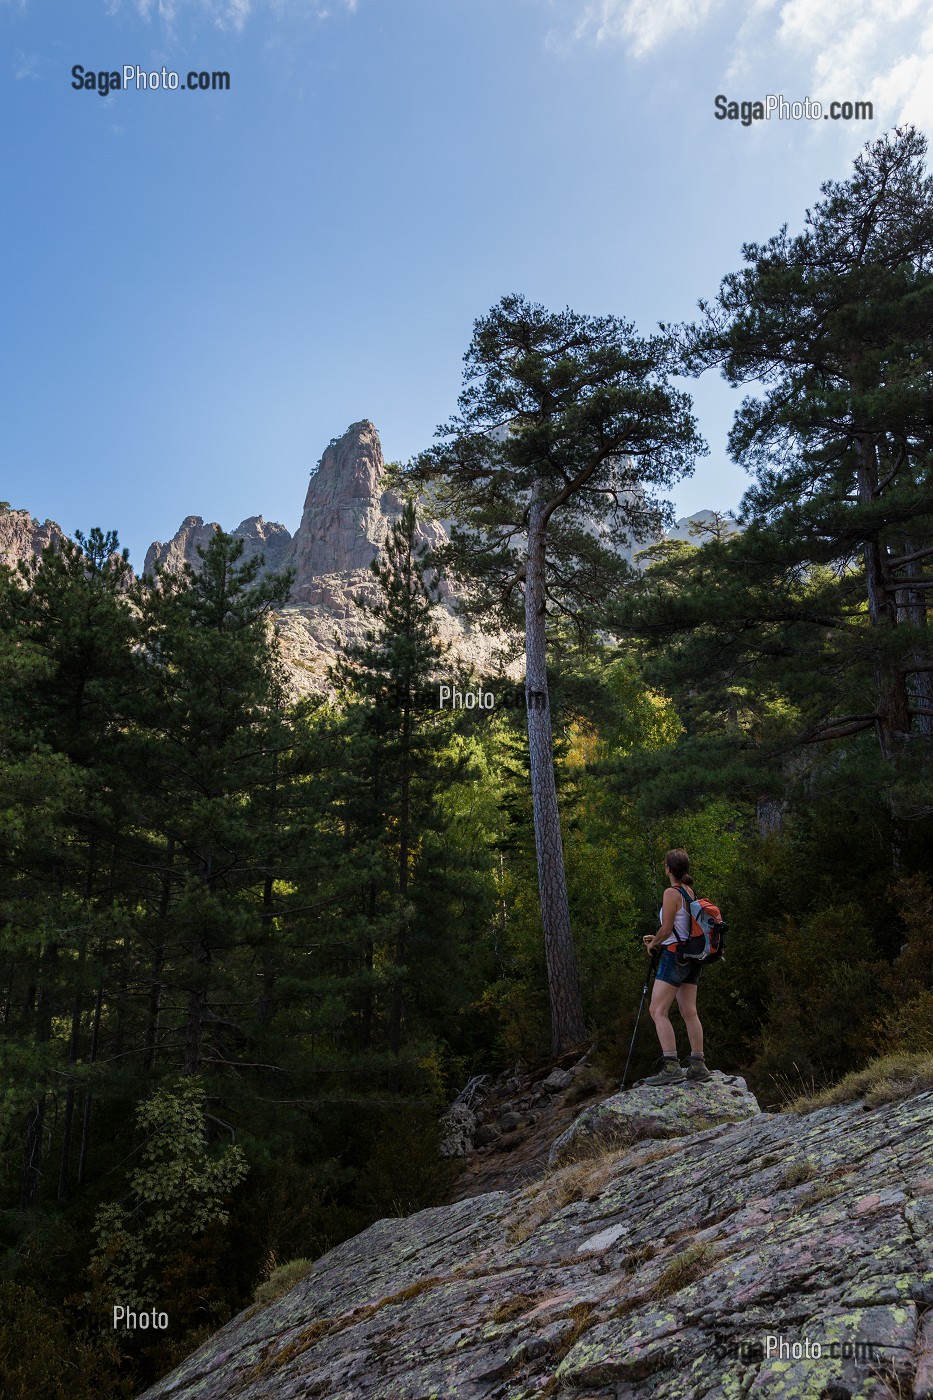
[{"x": 668, "y": 971}]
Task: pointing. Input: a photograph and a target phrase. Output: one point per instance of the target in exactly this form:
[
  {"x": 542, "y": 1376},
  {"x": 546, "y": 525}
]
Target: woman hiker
[{"x": 670, "y": 982}]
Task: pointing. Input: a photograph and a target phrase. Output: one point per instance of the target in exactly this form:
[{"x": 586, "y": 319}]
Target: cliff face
[
  {"x": 22, "y": 537},
  {"x": 346, "y": 517},
  {"x": 778, "y": 1256},
  {"x": 347, "y": 514},
  {"x": 344, "y": 523},
  {"x": 258, "y": 536}
]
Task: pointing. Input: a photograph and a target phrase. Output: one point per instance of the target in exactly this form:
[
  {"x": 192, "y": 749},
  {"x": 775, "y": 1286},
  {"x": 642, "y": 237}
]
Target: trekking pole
[{"x": 644, "y": 992}]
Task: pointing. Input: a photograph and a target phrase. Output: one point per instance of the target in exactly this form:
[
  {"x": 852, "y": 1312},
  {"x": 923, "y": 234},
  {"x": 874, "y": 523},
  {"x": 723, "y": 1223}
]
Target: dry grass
[
  {"x": 793, "y": 1088},
  {"x": 823, "y": 1192},
  {"x": 796, "y": 1173},
  {"x": 885, "y": 1080},
  {"x": 282, "y": 1280},
  {"x": 641, "y": 1254},
  {"x": 582, "y": 1314},
  {"x": 665, "y": 1148},
  {"x": 273, "y": 1360},
  {"x": 513, "y": 1307},
  {"x": 684, "y": 1269},
  {"x": 580, "y": 1180}
]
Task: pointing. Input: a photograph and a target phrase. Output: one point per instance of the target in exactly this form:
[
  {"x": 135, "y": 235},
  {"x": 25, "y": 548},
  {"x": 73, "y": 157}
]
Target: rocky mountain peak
[
  {"x": 259, "y": 536},
  {"x": 182, "y": 548},
  {"x": 21, "y": 536},
  {"x": 346, "y": 517},
  {"x": 352, "y": 465},
  {"x": 347, "y": 513}
]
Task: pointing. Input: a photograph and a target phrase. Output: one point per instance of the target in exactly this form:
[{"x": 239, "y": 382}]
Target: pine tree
[
  {"x": 69, "y": 634},
  {"x": 394, "y": 756},
  {"x": 837, "y": 321},
  {"x": 566, "y": 422},
  {"x": 210, "y": 726}
]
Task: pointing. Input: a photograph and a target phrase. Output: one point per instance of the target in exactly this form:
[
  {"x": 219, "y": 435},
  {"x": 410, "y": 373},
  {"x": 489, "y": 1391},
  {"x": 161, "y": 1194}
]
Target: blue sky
[{"x": 201, "y": 289}]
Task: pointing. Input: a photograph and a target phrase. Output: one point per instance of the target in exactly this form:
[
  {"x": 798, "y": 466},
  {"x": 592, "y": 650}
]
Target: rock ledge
[{"x": 657, "y": 1274}]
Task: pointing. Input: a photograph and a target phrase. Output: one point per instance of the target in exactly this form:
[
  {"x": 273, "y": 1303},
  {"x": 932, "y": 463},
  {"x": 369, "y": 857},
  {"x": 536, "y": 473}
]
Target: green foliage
[
  {"x": 179, "y": 1189},
  {"x": 42, "y": 1353},
  {"x": 823, "y": 994},
  {"x": 229, "y": 916},
  {"x": 579, "y": 394}
]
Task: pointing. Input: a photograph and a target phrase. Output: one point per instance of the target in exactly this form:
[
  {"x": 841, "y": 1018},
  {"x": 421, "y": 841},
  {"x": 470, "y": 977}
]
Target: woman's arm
[{"x": 669, "y": 906}]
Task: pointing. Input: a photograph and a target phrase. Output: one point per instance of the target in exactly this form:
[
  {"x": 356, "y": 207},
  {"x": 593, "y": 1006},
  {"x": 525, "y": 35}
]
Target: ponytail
[{"x": 678, "y": 863}]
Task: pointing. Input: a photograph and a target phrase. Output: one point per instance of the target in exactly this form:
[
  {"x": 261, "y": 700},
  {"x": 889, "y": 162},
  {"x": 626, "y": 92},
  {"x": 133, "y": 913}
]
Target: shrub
[
  {"x": 41, "y": 1354},
  {"x": 796, "y": 1173}
]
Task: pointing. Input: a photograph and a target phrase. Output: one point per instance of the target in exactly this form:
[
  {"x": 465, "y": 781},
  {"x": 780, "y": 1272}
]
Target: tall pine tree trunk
[
  {"x": 567, "y": 1024},
  {"x": 64, "y": 1165},
  {"x": 266, "y": 954},
  {"x": 366, "y": 1031},
  {"x": 35, "y": 1123},
  {"x": 198, "y": 991},
  {"x": 893, "y": 713},
  {"x": 154, "y": 1006},
  {"x": 404, "y": 829},
  {"x": 88, "y": 1096},
  {"x": 912, "y": 607}
]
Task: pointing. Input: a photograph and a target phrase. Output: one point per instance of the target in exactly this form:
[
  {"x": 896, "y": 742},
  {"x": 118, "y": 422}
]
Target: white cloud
[
  {"x": 875, "y": 50},
  {"x": 229, "y": 14},
  {"x": 27, "y": 66},
  {"x": 643, "y": 25},
  {"x": 223, "y": 14}
]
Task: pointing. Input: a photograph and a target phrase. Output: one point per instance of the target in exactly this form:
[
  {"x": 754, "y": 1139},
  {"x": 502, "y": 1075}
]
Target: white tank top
[{"x": 682, "y": 923}]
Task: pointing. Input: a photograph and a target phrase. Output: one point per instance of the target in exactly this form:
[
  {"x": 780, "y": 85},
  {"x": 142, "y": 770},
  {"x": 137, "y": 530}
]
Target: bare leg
[
  {"x": 662, "y": 999},
  {"x": 687, "y": 1006}
]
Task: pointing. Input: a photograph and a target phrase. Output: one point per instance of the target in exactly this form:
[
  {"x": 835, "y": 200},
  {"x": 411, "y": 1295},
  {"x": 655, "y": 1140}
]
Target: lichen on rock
[
  {"x": 651, "y": 1111},
  {"x": 660, "y": 1270}
]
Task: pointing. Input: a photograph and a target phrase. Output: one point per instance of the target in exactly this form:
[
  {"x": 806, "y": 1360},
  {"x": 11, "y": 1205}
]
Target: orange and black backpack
[{"x": 707, "y": 937}]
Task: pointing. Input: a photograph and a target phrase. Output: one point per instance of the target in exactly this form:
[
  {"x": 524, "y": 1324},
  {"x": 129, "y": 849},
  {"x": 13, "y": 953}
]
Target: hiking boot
[
  {"x": 669, "y": 1073},
  {"x": 697, "y": 1070}
]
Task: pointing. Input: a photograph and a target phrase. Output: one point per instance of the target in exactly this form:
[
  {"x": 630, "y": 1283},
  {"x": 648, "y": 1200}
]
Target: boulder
[
  {"x": 557, "y": 1081},
  {"x": 656, "y": 1111},
  {"x": 458, "y": 1126}
]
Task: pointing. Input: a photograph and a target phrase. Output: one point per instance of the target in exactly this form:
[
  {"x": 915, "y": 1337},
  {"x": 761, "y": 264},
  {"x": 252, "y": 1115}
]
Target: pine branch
[{"x": 839, "y": 729}]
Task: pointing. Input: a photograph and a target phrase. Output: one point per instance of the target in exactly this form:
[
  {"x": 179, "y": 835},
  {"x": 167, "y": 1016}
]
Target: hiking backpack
[{"x": 707, "y": 937}]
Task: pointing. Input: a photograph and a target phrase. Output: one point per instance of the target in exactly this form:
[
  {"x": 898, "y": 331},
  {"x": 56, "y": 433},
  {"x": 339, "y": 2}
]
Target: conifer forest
[{"x": 254, "y": 942}]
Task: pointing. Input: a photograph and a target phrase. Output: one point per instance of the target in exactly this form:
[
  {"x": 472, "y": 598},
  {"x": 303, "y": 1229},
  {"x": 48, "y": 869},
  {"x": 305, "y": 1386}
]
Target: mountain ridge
[{"x": 347, "y": 513}]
